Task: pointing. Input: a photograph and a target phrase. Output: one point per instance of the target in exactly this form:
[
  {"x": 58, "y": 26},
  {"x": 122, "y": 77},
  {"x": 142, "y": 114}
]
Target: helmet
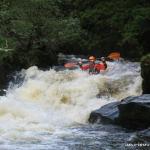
[
  {"x": 102, "y": 58},
  {"x": 92, "y": 58}
]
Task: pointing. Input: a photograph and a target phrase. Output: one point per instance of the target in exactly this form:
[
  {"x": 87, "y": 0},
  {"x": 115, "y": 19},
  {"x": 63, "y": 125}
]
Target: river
[{"x": 49, "y": 110}]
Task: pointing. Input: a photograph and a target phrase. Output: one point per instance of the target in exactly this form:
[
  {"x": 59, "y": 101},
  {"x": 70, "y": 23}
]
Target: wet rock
[
  {"x": 131, "y": 113},
  {"x": 134, "y": 112},
  {"x": 59, "y": 68},
  {"x": 107, "y": 114},
  {"x": 145, "y": 73},
  {"x": 3, "y": 78}
]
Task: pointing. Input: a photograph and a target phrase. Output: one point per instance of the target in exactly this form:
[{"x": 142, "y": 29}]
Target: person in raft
[{"x": 93, "y": 67}]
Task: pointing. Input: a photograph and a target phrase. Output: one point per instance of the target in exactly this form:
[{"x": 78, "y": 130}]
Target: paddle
[
  {"x": 70, "y": 65},
  {"x": 112, "y": 56}
]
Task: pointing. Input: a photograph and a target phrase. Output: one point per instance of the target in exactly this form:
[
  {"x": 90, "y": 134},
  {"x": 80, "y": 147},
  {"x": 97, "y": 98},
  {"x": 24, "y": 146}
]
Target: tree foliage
[
  {"x": 37, "y": 30},
  {"x": 122, "y": 25}
]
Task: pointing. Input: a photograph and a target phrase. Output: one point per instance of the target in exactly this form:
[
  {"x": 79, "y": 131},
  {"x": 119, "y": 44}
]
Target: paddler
[
  {"x": 93, "y": 67},
  {"x": 103, "y": 63}
]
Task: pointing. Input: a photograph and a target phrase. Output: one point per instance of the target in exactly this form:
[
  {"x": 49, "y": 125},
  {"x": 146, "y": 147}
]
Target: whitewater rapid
[{"x": 51, "y": 101}]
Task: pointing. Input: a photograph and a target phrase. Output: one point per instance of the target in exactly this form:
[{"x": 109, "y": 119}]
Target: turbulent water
[{"x": 50, "y": 109}]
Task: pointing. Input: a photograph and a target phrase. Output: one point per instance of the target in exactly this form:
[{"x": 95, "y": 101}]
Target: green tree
[{"x": 39, "y": 30}]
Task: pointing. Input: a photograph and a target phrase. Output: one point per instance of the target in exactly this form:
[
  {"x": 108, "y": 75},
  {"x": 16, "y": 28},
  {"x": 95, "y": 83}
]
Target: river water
[{"x": 49, "y": 110}]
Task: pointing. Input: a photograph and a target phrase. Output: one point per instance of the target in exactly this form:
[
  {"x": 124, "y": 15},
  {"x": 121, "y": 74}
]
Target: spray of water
[{"x": 49, "y": 100}]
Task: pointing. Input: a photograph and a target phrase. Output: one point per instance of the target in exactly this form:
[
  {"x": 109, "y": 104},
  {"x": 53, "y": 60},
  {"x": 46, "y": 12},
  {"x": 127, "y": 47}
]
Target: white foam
[{"x": 49, "y": 100}]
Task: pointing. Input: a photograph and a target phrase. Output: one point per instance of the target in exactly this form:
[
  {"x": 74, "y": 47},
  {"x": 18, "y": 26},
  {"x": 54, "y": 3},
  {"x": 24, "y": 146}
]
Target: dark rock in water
[
  {"x": 3, "y": 78},
  {"x": 134, "y": 112},
  {"x": 107, "y": 114},
  {"x": 131, "y": 112},
  {"x": 145, "y": 73},
  {"x": 2, "y": 92},
  {"x": 59, "y": 68}
]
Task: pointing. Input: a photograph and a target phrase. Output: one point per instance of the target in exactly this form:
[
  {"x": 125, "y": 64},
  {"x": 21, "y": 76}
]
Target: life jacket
[
  {"x": 94, "y": 68},
  {"x": 84, "y": 67},
  {"x": 91, "y": 67},
  {"x": 100, "y": 66}
]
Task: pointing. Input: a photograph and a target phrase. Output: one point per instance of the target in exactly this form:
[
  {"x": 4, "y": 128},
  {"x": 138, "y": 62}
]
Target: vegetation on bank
[{"x": 37, "y": 30}]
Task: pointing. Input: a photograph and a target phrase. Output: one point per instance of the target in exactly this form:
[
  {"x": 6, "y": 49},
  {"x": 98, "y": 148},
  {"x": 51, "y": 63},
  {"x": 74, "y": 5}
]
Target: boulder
[
  {"x": 131, "y": 112},
  {"x": 134, "y": 112},
  {"x": 3, "y": 78},
  {"x": 106, "y": 114}
]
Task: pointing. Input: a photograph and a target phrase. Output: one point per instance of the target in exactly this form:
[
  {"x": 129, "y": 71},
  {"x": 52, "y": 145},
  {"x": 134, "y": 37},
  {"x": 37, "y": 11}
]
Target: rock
[
  {"x": 3, "y": 78},
  {"x": 107, "y": 114},
  {"x": 134, "y": 112},
  {"x": 145, "y": 73},
  {"x": 131, "y": 113}
]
